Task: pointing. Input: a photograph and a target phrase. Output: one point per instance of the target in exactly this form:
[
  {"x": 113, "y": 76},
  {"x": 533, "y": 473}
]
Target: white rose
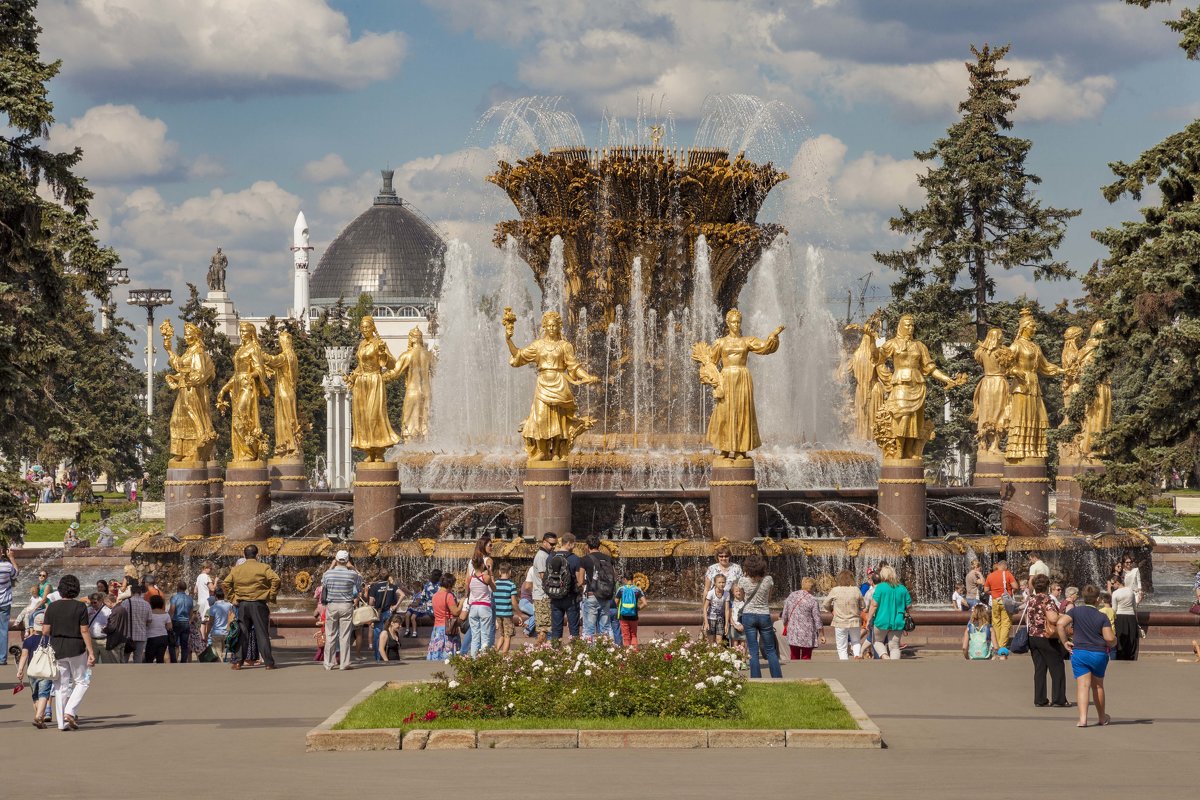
[
  {"x": 453, "y": 684},
  {"x": 701, "y": 685},
  {"x": 612, "y": 694},
  {"x": 587, "y": 672}
]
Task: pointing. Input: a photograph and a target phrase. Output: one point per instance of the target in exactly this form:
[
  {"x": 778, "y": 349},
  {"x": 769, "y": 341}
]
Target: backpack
[
  {"x": 627, "y": 602},
  {"x": 602, "y": 583},
  {"x": 979, "y": 642},
  {"x": 558, "y": 582}
]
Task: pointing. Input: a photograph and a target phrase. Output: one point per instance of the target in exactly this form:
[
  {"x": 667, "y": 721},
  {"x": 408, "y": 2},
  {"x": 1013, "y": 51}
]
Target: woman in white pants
[
  {"x": 847, "y": 604},
  {"x": 66, "y": 624}
]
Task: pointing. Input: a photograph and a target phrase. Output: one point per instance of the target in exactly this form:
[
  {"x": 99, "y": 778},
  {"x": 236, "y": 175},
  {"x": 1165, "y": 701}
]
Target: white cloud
[
  {"x": 176, "y": 48},
  {"x": 119, "y": 144},
  {"x": 880, "y": 182},
  {"x": 327, "y": 168}
]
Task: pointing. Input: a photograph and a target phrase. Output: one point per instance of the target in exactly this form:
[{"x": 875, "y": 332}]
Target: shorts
[
  {"x": 42, "y": 687},
  {"x": 735, "y": 635},
  {"x": 714, "y": 627},
  {"x": 1085, "y": 661},
  {"x": 420, "y": 613},
  {"x": 541, "y": 615},
  {"x": 504, "y": 626}
]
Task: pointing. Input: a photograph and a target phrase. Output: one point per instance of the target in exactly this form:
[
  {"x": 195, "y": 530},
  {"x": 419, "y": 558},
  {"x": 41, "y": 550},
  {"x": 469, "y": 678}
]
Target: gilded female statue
[
  {"x": 552, "y": 425},
  {"x": 248, "y": 384},
  {"x": 1027, "y": 420},
  {"x": 862, "y": 367},
  {"x": 1098, "y": 417},
  {"x": 901, "y": 429},
  {"x": 990, "y": 405},
  {"x": 372, "y": 430},
  {"x": 733, "y": 426},
  {"x": 192, "y": 434},
  {"x": 414, "y": 366},
  {"x": 284, "y": 368},
  {"x": 1070, "y": 356}
]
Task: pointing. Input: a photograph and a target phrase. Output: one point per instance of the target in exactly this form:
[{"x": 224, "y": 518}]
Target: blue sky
[{"x": 212, "y": 122}]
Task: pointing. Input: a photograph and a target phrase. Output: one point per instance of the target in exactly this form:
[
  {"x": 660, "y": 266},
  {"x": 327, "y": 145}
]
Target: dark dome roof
[{"x": 389, "y": 252}]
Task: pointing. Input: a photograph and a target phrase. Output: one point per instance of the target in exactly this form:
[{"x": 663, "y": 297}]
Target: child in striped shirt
[{"x": 505, "y": 599}]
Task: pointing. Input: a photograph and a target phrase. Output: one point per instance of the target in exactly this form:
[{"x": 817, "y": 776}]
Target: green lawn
[
  {"x": 773, "y": 706},
  {"x": 1173, "y": 525},
  {"x": 53, "y": 530}
]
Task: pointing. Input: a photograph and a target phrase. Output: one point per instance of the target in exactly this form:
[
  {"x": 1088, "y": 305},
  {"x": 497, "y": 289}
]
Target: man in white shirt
[
  {"x": 99, "y": 610},
  {"x": 204, "y": 587},
  {"x": 1036, "y": 567}
]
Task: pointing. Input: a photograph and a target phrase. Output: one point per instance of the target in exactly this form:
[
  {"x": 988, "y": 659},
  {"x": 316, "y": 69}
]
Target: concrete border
[{"x": 324, "y": 738}]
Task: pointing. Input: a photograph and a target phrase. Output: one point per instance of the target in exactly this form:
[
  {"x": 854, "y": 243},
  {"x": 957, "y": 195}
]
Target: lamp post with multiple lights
[
  {"x": 117, "y": 276},
  {"x": 150, "y": 299}
]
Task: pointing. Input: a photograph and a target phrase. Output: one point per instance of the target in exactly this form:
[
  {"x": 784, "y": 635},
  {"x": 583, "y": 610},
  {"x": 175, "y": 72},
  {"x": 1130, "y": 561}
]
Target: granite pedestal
[
  {"x": 247, "y": 500},
  {"x": 1026, "y": 498},
  {"x": 287, "y": 474},
  {"x": 546, "y": 489},
  {"x": 186, "y": 494},
  {"x": 1075, "y": 510},
  {"x": 376, "y": 500},
  {"x": 902, "y": 498},
  {"x": 989, "y": 470},
  {"x": 216, "y": 499},
  {"x": 733, "y": 500}
]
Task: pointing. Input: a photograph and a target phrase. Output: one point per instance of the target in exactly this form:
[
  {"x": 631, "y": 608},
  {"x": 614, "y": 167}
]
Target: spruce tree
[
  {"x": 1148, "y": 289},
  {"x": 980, "y": 213}
]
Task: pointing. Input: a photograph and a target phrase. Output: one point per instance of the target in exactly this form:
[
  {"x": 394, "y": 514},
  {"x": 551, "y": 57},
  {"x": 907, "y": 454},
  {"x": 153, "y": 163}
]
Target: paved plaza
[{"x": 951, "y": 728}]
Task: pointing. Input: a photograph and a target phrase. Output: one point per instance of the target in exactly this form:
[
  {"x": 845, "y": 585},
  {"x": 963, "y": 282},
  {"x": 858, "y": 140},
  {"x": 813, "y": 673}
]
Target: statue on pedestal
[
  {"x": 733, "y": 426},
  {"x": 868, "y": 391},
  {"x": 1070, "y": 356},
  {"x": 552, "y": 426},
  {"x": 244, "y": 388},
  {"x": 990, "y": 405},
  {"x": 1098, "y": 417},
  {"x": 216, "y": 271},
  {"x": 1027, "y": 420},
  {"x": 285, "y": 369},
  {"x": 371, "y": 429},
  {"x": 192, "y": 434},
  {"x": 901, "y": 429},
  {"x": 414, "y": 365}
]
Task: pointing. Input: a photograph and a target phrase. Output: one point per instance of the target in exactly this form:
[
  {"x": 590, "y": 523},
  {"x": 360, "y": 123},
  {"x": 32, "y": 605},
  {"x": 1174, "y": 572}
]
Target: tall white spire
[{"x": 300, "y": 250}]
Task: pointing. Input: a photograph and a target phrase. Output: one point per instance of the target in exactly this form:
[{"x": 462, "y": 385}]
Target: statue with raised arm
[
  {"x": 901, "y": 429},
  {"x": 1027, "y": 420},
  {"x": 553, "y": 423},
  {"x": 285, "y": 369},
  {"x": 244, "y": 388},
  {"x": 415, "y": 366},
  {"x": 989, "y": 409},
  {"x": 216, "y": 271},
  {"x": 371, "y": 429},
  {"x": 733, "y": 426},
  {"x": 192, "y": 434}
]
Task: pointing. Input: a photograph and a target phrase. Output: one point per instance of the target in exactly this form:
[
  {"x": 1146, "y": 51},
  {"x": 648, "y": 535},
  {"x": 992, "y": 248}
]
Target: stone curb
[{"x": 324, "y": 738}]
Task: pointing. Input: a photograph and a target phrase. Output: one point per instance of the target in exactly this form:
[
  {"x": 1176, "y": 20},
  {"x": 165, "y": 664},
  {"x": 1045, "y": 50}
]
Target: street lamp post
[
  {"x": 117, "y": 276},
  {"x": 150, "y": 299}
]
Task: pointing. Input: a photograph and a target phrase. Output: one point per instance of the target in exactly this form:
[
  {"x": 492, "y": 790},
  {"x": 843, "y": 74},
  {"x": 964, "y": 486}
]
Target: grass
[
  {"x": 1173, "y": 525},
  {"x": 769, "y": 706},
  {"x": 53, "y": 530}
]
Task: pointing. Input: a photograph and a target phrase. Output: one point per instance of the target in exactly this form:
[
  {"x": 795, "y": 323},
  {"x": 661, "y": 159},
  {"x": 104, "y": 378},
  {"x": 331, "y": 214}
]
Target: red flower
[
  {"x": 667, "y": 656},
  {"x": 430, "y": 715}
]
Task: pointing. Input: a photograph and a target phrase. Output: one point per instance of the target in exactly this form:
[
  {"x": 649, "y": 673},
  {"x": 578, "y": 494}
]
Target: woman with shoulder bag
[
  {"x": 756, "y": 616},
  {"x": 1044, "y": 647},
  {"x": 443, "y": 639},
  {"x": 65, "y": 624}
]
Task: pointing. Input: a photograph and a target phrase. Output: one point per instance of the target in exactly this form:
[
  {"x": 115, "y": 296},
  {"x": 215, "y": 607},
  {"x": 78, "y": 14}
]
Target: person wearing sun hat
[
  {"x": 339, "y": 586},
  {"x": 71, "y": 538}
]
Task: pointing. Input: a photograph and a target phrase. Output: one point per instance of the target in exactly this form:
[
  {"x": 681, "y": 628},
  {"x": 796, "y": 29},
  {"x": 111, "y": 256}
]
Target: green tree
[
  {"x": 980, "y": 213},
  {"x": 1148, "y": 289}
]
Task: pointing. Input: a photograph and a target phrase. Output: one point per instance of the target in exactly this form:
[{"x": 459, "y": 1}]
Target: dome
[{"x": 389, "y": 251}]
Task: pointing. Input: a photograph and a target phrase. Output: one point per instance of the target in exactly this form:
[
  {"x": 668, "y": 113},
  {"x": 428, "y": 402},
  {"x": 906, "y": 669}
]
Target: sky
[{"x": 209, "y": 123}]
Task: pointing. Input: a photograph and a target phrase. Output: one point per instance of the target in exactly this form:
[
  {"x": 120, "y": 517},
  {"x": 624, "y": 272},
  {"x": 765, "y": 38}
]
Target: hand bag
[
  {"x": 1195, "y": 609},
  {"x": 364, "y": 615},
  {"x": 1020, "y": 638},
  {"x": 910, "y": 624},
  {"x": 44, "y": 664}
]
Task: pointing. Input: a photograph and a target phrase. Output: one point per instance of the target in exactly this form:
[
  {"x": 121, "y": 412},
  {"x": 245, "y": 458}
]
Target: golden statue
[
  {"x": 414, "y": 366},
  {"x": 990, "y": 405},
  {"x": 192, "y": 434},
  {"x": 248, "y": 384},
  {"x": 1027, "y": 421},
  {"x": 867, "y": 388},
  {"x": 372, "y": 430},
  {"x": 1098, "y": 417},
  {"x": 901, "y": 429},
  {"x": 733, "y": 426},
  {"x": 1070, "y": 356},
  {"x": 552, "y": 425},
  {"x": 285, "y": 369}
]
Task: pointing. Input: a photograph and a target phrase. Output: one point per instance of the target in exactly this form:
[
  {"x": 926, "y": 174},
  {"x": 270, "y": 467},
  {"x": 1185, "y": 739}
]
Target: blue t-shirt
[
  {"x": 1088, "y": 626},
  {"x": 8, "y": 574},
  {"x": 505, "y": 589},
  {"x": 219, "y": 612},
  {"x": 181, "y": 608},
  {"x": 892, "y": 602}
]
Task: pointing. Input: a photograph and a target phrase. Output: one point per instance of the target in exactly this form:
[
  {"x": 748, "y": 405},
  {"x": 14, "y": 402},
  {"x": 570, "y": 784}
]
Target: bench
[
  {"x": 55, "y": 512},
  {"x": 1187, "y": 505}
]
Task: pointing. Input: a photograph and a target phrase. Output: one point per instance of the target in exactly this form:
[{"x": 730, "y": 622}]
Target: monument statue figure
[
  {"x": 989, "y": 409},
  {"x": 1098, "y": 417},
  {"x": 192, "y": 434},
  {"x": 901, "y": 429},
  {"x": 414, "y": 365},
  {"x": 371, "y": 430},
  {"x": 1027, "y": 420},
  {"x": 285, "y": 369},
  {"x": 1070, "y": 356},
  {"x": 733, "y": 426},
  {"x": 216, "y": 271},
  {"x": 861, "y": 367},
  {"x": 553, "y": 423},
  {"x": 244, "y": 388}
]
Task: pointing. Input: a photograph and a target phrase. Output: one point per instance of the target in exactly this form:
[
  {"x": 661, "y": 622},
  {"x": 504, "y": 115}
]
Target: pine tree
[
  {"x": 980, "y": 213},
  {"x": 1148, "y": 289}
]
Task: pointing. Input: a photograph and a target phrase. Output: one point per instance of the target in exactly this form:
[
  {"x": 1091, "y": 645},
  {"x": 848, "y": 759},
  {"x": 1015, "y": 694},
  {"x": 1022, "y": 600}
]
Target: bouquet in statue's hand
[{"x": 709, "y": 374}]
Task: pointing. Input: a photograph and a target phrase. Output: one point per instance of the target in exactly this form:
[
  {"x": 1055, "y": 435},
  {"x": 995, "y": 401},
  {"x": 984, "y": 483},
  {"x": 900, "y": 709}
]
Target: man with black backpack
[
  {"x": 600, "y": 584},
  {"x": 562, "y": 583}
]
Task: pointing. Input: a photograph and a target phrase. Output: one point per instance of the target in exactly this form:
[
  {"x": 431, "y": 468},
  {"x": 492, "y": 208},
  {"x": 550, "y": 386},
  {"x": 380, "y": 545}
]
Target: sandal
[
  {"x": 40, "y": 724},
  {"x": 1107, "y": 719},
  {"x": 71, "y": 722}
]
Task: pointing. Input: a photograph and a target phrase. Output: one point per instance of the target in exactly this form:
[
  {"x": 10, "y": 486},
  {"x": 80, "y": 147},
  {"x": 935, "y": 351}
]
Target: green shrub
[{"x": 679, "y": 677}]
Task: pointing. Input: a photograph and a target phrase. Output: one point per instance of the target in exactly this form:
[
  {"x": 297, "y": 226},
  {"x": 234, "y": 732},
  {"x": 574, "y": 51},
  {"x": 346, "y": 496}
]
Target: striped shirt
[
  {"x": 505, "y": 589},
  {"x": 341, "y": 584}
]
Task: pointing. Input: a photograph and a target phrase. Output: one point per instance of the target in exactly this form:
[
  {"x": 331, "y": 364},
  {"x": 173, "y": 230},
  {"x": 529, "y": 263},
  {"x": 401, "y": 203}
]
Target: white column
[
  {"x": 149, "y": 362},
  {"x": 330, "y": 467}
]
